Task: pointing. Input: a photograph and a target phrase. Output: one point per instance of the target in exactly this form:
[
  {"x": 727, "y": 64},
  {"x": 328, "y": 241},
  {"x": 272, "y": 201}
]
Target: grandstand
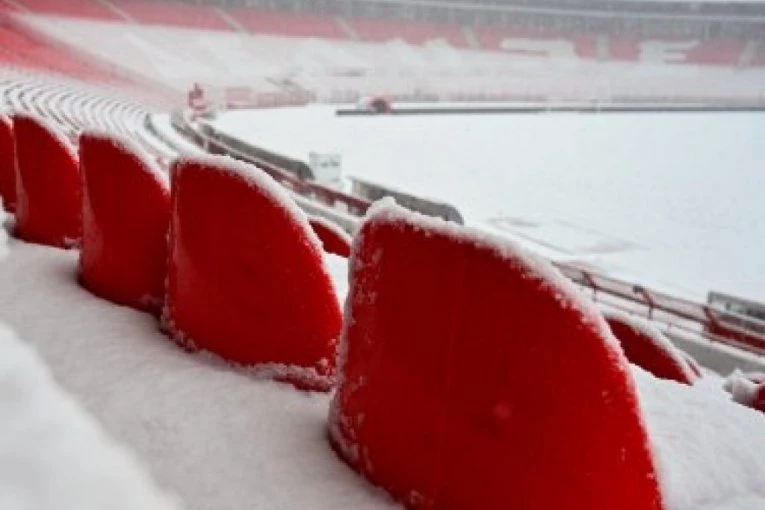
[
  {"x": 722, "y": 32},
  {"x": 438, "y": 50}
]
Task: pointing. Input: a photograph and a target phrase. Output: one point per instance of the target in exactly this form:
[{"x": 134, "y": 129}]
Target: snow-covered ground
[
  {"x": 220, "y": 439},
  {"x": 52, "y": 454},
  {"x": 672, "y": 200}
]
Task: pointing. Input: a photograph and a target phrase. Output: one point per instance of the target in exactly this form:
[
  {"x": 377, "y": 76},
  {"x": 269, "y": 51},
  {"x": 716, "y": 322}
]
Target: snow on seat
[
  {"x": 246, "y": 276},
  {"x": 53, "y": 455},
  {"x": 648, "y": 348},
  {"x": 48, "y": 185},
  {"x": 333, "y": 238},
  {"x": 474, "y": 376},
  {"x": 126, "y": 214},
  {"x": 7, "y": 165}
]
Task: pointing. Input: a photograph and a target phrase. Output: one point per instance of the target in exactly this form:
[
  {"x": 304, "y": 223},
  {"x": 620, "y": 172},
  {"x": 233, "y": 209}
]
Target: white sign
[{"x": 327, "y": 168}]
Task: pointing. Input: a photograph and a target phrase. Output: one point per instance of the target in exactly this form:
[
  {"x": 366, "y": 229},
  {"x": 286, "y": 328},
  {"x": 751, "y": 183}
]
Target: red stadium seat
[
  {"x": 477, "y": 377},
  {"x": 7, "y": 165},
  {"x": 246, "y": 276},
  {"x": 126, "y": 214},
  {"x": 649, "y": 349},
  {"x": 48, "y": 185},
  {"x": 333, "y": 238}
]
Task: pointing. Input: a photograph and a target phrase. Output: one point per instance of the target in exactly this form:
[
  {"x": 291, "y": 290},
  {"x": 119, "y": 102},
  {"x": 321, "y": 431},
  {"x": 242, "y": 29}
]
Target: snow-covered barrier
[
  {"x": 125, "y": 218},
  {"x": 7, "y": 164},
  {"x": 647, "y": 347},
  {"x": 333, "y": 238},
  {"x": 474, "y": 375},
  {"x": 52, "y": 454},
  {"x": 48, "y": 185},
  {"x": 246, "y": 275}
]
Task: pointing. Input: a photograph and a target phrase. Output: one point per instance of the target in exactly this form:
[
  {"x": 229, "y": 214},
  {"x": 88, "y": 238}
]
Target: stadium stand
[
  {"x": 664, "y": 32},
  {"x": 21, "y": 49},
  {"x": 23, "y": 46}
]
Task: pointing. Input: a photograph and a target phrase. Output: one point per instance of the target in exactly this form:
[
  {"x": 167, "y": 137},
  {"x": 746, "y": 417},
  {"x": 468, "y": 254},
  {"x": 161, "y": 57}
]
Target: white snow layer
[
  {"x": 52, "y": 454},
  {"x": 223, "y": 440}
]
